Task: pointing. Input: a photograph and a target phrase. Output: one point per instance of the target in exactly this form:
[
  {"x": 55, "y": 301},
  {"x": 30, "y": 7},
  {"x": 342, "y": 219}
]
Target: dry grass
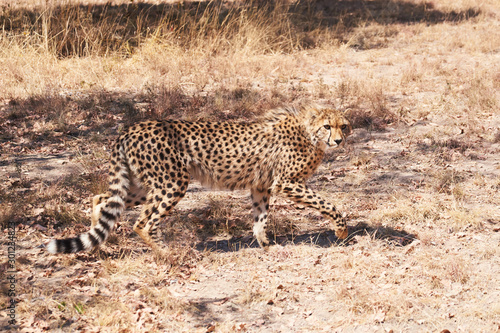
[{"x": 419, "y": 178}]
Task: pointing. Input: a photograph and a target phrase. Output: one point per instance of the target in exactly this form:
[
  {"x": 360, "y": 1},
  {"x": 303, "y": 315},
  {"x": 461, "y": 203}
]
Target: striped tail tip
[
  {"x": 68, "y": 245},
  {"x": 52, "y": 246},
  {"x": 83, "y": 242}
]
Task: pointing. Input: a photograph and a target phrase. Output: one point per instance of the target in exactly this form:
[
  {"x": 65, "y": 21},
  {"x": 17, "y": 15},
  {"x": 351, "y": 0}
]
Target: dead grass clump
[
  {"x": 165, "y": 103},
  {"x": 51, "y": 113},
  {"x": 219, "y": 209},
  {"x": 377, "y": 118},
  {"x": 223, "y": 104},
  {"x": 20, "y": 198},
  {"x": 64, "y": 215},
  {"x": 457, "y": 272},
  {"x": 458, "y": 144},
  {"x": 162, "y": 298},
  {"x": 94, "y": 175},
  {"x": 280, "y": 224},
  {"x": 379, "y": 111},
  {"x": 405, "y": 212},
  {"x": 255, "y": 292},
  {"x": 53, "y": 119},
  {"x": 42, "y": 203},
  {"x": 361, "y": 159},
  {"x": 56, "y": 110},
  {"x": 481, "y": 94},
  {"x": 97, "y": 182},
  {"x": 178, "y": 256},
  {"x": 347, "y": 90},
  {"x": 243, "y": 101},
  {"x": 436, "y": 282},
  {"x": 368, "y": 103},
  {"x": 373, "y": 36},
  {"x": 376, "y": 310},
  {"x": 109, "y": 313},
  {"x": 461, "y": 218},
  {"x": 446, "y": 149},
  {"x": 221, "y": 218},
  {"x": 412, "y": 73},
  {"x": 447, "y": 181}
]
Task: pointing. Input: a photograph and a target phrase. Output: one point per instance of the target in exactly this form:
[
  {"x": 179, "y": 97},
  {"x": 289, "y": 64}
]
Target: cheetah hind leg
[
  {"x": 136, "y": 196},
  {"x": 158, "y": 205},
  {"x": 98, "y": 202},
  {"x": 260, "y": 199}
]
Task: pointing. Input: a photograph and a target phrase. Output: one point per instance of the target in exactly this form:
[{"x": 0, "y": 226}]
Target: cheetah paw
[{"x": 341, "y": 233}]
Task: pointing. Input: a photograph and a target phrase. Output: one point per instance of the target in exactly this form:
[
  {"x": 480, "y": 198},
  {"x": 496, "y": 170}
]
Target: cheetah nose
[{"x": 338, "y": 141}]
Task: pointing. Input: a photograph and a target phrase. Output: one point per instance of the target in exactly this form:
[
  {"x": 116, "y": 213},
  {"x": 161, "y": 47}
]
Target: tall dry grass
[
  {"x": 51, "y": 46},
  {"x": 67, "y": 29}
]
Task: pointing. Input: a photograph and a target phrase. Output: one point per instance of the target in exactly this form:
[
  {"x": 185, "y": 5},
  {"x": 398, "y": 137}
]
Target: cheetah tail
[{"x": 109, "y": 210}]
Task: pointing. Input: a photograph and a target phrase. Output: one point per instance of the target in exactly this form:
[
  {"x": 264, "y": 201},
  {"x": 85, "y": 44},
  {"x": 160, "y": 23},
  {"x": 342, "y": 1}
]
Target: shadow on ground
[{"x": 320, "y": 239}]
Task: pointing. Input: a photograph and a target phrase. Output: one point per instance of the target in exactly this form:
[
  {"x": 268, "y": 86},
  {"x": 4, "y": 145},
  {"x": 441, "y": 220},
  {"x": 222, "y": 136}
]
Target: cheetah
[{"x": 153, "y": 162}]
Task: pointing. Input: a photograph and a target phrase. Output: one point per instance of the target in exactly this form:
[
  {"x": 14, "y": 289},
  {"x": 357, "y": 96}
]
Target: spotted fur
[{"x": 153, "y": 162}]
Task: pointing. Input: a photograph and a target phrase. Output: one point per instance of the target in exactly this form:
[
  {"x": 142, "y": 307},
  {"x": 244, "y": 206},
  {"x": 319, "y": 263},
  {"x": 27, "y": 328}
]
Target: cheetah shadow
[{"x": 322, "y": 239}]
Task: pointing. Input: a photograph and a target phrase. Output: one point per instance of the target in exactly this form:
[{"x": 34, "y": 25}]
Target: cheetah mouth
[{"x": 336, "y": 145}]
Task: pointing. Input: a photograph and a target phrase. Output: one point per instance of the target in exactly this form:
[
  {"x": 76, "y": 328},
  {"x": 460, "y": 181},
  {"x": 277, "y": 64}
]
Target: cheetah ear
[{"x": 347, "y": 112}]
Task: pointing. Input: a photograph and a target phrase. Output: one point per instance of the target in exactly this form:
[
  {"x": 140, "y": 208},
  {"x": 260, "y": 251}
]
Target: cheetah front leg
[
  {"x": 300, "y": 193},
  {"x": 260, "y": 199}
]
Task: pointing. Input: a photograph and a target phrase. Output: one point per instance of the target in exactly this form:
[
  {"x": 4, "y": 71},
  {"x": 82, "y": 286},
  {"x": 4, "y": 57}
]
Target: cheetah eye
[
  {"x": 343, "y": 127},
  {"x": 327, "y": 127}
]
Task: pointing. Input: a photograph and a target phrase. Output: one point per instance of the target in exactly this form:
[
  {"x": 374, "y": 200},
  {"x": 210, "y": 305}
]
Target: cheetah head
[{"x": 328, "y": 127}]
